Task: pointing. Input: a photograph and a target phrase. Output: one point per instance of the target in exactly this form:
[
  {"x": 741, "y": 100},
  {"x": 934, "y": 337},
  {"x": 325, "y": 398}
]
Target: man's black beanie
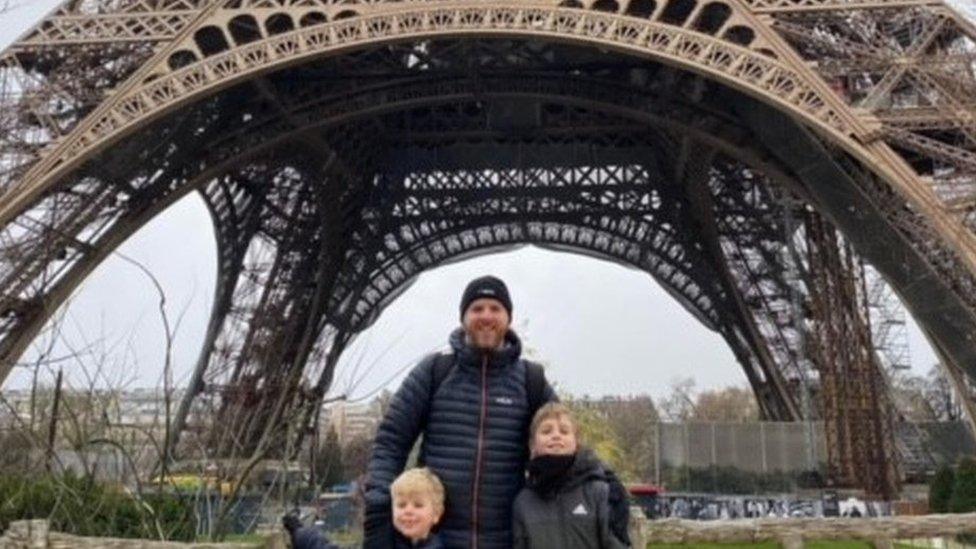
[{"x": 486, "y": 286}]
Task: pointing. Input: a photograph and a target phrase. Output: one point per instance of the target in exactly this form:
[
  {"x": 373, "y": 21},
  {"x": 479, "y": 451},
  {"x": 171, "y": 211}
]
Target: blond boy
[{"x": 418, "y": 505}]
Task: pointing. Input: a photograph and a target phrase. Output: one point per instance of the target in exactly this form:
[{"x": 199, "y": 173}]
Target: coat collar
[{"x": 508, "y": 354}]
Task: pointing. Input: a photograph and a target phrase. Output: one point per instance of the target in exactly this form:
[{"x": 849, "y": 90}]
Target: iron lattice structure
[{"x": 748, "y": 154}]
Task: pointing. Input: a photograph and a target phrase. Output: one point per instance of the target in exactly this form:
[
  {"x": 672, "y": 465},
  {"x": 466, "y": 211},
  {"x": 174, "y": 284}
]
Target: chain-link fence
[{"x": 772, "y": 456}]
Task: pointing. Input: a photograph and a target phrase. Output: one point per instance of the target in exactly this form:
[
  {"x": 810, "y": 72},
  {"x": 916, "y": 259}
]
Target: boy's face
[
  {"x": 555, "y": 436},
  {"x": 414, "y": 515}
]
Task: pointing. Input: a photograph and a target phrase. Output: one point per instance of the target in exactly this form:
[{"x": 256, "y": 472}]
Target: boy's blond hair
[
  {"x": 420, "y": 481},
  {"x": 552, "y": 410}
]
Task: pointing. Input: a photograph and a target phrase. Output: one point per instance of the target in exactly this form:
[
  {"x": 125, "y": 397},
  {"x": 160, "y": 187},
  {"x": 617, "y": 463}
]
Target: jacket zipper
[
  {"x": 562, "y": 525},
  {"x": 481, "y": 444}
]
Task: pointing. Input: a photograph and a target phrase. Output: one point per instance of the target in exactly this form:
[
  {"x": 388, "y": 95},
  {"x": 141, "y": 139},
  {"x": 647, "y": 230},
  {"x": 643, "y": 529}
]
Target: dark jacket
[
  {"x": 576, "y": 515},
  {"x": 475, "y": 439},
  {"x": 433, "y": 541},
  {"x": 308, "y": 537}
]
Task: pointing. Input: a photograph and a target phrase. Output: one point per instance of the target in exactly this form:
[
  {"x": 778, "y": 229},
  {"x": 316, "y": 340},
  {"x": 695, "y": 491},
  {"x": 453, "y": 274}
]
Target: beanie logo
[{"x": 488, "y": 291}]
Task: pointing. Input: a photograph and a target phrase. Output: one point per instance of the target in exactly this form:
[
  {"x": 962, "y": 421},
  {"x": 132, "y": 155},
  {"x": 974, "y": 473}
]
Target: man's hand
[{"x": 378, "y": 530}]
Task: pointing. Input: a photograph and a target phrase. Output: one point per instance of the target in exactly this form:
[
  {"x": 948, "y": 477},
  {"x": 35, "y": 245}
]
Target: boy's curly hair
[{"x": 420, "y": 480}]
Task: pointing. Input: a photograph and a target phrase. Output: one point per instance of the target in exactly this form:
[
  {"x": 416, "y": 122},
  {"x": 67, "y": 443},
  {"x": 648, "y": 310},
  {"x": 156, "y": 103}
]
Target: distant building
[
  {"x": 92, "y": 426},
  {"x": 18, "y": 405},
  {"x": 131, "y": 416},
  {"x": 352, "y": 421}
]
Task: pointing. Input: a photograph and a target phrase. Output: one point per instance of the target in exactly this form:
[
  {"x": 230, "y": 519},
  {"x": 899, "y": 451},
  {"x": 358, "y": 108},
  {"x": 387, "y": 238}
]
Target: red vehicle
[{"x": 646, "y": 497}]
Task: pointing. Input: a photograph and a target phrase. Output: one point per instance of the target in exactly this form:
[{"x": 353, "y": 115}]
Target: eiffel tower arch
[{"x": 751, "y": 155}]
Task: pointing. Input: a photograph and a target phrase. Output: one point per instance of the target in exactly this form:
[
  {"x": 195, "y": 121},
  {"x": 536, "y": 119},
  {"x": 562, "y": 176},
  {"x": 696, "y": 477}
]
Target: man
[{"x": 474, "y": 415}]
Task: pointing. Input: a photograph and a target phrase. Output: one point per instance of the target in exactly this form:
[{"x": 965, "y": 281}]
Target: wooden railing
[{"x": 36, "y": 534}]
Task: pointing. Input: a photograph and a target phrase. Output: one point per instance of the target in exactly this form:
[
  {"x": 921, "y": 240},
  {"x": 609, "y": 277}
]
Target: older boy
[{"x": 565, "y": 501}]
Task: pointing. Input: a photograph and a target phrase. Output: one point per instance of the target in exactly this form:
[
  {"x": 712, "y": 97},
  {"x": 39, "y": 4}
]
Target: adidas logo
[{"x": 580, "y": 510}]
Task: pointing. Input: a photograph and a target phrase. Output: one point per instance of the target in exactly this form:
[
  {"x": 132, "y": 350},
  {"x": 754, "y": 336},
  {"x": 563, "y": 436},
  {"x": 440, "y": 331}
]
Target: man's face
[{"x": 486, "y": 323}]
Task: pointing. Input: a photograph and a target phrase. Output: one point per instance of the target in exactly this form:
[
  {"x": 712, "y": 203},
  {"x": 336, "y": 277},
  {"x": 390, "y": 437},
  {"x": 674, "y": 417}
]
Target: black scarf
[{"x": 548, "y": 473}]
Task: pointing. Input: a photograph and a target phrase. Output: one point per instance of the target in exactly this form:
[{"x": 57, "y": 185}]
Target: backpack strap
[
  {"x": 443, "y": 364},
  {"x": 535, "y": 386},
  {"x": 619, "y": 503}
]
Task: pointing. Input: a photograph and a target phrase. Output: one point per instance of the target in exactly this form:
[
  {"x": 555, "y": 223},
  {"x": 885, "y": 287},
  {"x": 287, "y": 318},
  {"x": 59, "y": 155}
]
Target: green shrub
[
  {"x": 940, "y": 490},
  {"x": 963, "y": 499},
  {"x": 82, "y": 507}
]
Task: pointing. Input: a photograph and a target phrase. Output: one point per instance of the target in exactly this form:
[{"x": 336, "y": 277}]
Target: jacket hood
[
  {"x": 586, "y": 467},
  {"x": 508, "y": 354}
]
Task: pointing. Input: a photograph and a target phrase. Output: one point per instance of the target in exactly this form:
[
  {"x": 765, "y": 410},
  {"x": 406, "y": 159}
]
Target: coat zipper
[
  {"x": 562, "y": 525},
  {"x": 481, "y": 444}
]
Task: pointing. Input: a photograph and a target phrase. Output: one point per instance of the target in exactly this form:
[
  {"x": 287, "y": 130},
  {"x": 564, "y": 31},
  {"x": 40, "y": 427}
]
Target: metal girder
[
  {"x": 877, "y": 211},
  {"x": 858, "y": 413},
  {"x": 250, "y": 378},
  {"x": 113, "y": 28},
  {"x": 275, "y": 323},
  {"x": 234, "y": 210},
  {"x": 834, "y": 6},
  {"x": 65, "y": 66},
  {"x": 910, "y": 67},
  {"x": 355, "y": 90},
  {"x": 50, "y": 249},
  {"x": 470, "y": 212},
  {"x": 899, "y": 263},
  {"x": 706, "y": 188}
]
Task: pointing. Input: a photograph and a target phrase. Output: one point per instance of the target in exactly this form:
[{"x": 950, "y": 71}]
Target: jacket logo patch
[
  {"x": 505, "y": 400},
  {"x": 580, "y": 510}
]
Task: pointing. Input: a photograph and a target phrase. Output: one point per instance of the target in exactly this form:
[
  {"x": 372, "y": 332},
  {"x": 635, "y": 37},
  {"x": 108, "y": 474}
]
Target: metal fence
[
  {"x": 760, "y": 447},
  {"x": 766, "y": 447}
]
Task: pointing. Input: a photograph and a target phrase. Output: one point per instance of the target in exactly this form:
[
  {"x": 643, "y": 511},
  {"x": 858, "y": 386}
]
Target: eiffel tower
[{"x": 751, "y": 155}]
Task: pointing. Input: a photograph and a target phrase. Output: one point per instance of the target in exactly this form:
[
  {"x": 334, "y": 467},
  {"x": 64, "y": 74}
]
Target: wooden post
[
  {"x": 52, "y": 429},
  {"x": 657, "y": 454}
]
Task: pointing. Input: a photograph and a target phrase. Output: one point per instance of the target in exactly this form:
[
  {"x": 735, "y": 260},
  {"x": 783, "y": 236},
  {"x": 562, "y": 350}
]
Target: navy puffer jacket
[{"x": 475, "y": 441}]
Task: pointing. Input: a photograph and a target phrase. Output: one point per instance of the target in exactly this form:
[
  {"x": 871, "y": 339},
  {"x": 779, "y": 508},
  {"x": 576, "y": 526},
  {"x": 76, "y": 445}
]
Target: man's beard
[{"x": 486, "y": 339}]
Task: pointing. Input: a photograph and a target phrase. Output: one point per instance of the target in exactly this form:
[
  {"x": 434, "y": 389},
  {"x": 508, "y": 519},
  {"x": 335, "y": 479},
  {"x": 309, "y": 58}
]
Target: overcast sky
[{"x": 601, "y": 328}]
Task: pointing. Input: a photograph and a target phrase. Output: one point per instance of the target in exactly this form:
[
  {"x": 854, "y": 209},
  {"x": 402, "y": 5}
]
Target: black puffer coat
[
  {"x": 574, "y": 514},
  {"x": 475, "y": 441}
]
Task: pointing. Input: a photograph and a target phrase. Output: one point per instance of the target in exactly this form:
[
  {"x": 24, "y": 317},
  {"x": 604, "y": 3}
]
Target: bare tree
[
  {"x": 679, "y": 404},
  {"x": 634, "y": 421},
  {"x": 728, "y": 404},
  {"x": 84, "y": 428},
  {"x": 910, "y": 396},
  {"x": 355, "y": 455},
  {"x": 941, "y": 396}
]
